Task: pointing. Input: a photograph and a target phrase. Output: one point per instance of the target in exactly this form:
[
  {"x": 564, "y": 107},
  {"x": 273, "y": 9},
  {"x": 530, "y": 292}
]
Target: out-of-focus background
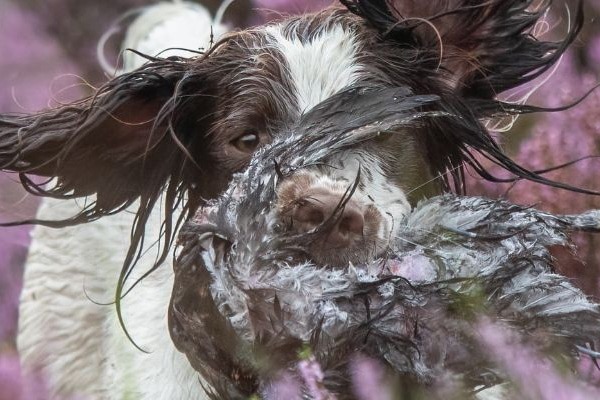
[
  {"x": 48, "y": 51},
  {"x": 546, "y": 140}
]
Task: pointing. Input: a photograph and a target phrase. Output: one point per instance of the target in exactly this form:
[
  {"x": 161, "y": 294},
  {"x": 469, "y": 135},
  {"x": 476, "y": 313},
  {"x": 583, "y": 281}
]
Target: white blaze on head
[{"x": 321, "y": 67}]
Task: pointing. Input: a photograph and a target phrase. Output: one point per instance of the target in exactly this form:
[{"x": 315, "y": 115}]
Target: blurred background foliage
[{"x": 545, "y": 140}]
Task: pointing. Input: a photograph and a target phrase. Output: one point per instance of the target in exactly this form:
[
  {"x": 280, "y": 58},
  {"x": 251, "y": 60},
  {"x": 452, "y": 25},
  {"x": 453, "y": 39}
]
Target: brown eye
[{"x": 247, "y": 143}]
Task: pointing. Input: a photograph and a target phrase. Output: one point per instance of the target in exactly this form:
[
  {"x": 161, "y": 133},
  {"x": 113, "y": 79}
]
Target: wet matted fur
[{"x": 173, "y": 132}]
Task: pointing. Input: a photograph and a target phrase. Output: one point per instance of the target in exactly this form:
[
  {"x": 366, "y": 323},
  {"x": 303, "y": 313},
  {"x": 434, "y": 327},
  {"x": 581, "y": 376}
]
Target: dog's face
[
  {"x": 280, "y": 73},
  {"x": 341, "y": 179},
  {"x": 269, "y": 77}
]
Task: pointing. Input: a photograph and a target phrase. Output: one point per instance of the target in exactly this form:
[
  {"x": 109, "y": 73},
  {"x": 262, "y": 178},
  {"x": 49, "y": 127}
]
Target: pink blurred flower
[
  {"x": 553, "y": 139},
  {"x": 535, "y": 376},
  {"x": 588, "y": 369},
  {"x": 414, "y": 266},
  {"x": 284, "y": 387},
  {"x": 31, "y": 60},
  {"x": 14, "y": 385},
  {"x": 368, "y": 379},
  {"x": 312, "y": 375}
]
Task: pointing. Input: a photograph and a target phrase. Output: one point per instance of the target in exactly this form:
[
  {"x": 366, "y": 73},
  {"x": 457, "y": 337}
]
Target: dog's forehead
[
  {"x": 294, "y": 64},
  {"x": 319, "y": 65}
]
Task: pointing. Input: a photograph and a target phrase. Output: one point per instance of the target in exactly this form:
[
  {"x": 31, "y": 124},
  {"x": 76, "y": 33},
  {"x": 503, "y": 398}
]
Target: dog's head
[{"x": 186, "y": 125}]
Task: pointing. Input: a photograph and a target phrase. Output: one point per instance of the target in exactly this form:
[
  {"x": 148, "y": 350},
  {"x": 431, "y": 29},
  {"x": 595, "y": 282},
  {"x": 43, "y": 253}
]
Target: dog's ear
[
  {"x": 126, "y": 141},
  {"x": 486, "y": 47}
]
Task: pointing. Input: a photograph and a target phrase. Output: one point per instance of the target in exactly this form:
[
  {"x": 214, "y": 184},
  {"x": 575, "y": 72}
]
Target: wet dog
[{"x": 177, "y": 130}]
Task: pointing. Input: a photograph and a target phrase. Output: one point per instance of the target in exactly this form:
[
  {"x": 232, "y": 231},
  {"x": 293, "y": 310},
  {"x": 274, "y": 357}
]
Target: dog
[{"x": 177, "y": 129}]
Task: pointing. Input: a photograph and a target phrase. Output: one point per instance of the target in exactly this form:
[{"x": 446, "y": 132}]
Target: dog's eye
[{"x": 247, "y": 143}]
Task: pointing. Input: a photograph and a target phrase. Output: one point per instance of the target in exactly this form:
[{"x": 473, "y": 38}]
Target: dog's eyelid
[
  {"x": 247, "y": 141},
  {"x": 248, "y": 137}
]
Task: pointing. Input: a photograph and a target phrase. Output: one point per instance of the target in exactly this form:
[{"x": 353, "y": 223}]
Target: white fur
[
  {"x": 389, "y": 199},
  {"x": 79, "y": 344},
  {"x": 166, "y": 29},
  {"x": 321, "y": 67}
]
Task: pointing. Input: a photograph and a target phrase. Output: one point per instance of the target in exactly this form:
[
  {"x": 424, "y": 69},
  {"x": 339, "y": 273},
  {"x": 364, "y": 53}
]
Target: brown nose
[{"x": 316, "y": 208}]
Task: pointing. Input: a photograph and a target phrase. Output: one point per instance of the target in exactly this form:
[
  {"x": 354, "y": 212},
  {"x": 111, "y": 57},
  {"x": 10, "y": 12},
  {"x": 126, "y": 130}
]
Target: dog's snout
[
  {"x": 346, "y": 219},
  {"x": 340, "y": 227}
]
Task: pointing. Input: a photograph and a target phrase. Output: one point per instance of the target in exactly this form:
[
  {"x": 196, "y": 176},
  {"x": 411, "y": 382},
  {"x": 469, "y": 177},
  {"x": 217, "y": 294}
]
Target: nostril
[
  {"x": 310, "y": 214},
  {"x": 349, "y": 228},
  {"x": 345, "y": 221},
  {"x": 351, "y": 222}
]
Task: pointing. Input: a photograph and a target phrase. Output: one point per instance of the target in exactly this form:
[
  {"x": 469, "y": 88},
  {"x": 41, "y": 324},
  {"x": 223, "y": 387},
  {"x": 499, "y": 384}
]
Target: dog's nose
[{"x": 347, "y": 220}]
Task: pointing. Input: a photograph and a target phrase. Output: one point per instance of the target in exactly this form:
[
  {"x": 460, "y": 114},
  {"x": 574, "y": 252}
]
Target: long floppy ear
[
  {"x": 487, "y": 46},
  {"x": 479, "y": 49},
  {"x": 125, "y": 142}
]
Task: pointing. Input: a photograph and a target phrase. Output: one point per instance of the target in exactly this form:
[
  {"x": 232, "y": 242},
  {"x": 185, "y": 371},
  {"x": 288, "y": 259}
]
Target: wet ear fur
[
  {"x": 125, "y": 142},
  {"x": 486, "y": 46},
  {"x": 482, "y": 48}
]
